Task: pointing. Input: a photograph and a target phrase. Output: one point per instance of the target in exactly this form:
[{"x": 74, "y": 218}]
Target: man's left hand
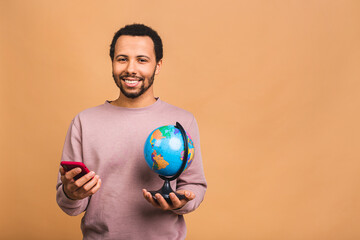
[{"x": 160, "y": 202}]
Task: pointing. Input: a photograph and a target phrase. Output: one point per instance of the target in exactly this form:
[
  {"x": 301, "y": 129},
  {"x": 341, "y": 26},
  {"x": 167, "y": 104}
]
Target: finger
[
  {"x": 162, "y": 202},
  {"x": 84, "y": 179},
  {"x": 82, "y": 185},
  {"x": 188, "y": 194},
  {"x": 63, "y": 177},
  {"x": 90, "y": 184},
  {"x": 145, "y": 194},
  {"x": 82, "y": 193},
  {"x": 176, "y": 203},
  {"x": 150, "y": 198},
  {"x": 94, "y": 189},
  {"x": 72, "y": 173}
]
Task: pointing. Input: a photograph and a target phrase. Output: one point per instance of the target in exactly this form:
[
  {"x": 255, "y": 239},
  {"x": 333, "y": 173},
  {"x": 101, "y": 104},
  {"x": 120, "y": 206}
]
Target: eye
[
  {"x": 142, "y": 60},
  {"x": 121, "y": 59}
]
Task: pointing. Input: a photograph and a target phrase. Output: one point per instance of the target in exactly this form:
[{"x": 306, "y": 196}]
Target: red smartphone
[{"x": 68, "y": 165}]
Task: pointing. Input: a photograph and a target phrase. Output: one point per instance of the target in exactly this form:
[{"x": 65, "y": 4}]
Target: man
[{"x": 109, "y": 139}]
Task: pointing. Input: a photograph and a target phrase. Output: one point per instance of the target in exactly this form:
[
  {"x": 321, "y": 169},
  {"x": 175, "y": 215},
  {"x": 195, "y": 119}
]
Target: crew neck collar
[{"x": 141, "y": 109}]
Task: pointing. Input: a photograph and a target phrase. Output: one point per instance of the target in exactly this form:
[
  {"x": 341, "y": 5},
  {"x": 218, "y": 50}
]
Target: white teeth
[{"x": 131, "y": 82}]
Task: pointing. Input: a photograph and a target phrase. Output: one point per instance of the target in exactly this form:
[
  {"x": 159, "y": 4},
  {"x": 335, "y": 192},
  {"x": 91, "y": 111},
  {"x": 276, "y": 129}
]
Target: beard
[{"x": 142, "y": 89}]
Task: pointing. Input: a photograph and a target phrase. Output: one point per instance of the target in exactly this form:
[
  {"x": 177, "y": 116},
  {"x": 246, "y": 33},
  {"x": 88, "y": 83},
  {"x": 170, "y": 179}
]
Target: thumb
[
  {"x": 189, "y": 195},
  {"x": 62, "y": 171}
]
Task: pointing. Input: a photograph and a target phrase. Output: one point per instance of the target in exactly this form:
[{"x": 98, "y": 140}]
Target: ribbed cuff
[{"x": 66, "y": 194}]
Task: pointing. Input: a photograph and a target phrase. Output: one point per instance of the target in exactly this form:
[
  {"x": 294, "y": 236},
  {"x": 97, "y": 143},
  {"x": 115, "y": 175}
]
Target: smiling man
[{"x": 109, "y": 139}]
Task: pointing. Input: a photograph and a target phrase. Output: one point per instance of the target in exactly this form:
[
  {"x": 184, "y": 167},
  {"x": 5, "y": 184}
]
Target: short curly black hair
[{"x": 139, "y": 30}]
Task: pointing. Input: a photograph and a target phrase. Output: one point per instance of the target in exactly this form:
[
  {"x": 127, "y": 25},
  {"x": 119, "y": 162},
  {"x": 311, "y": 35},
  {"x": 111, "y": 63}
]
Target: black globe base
[{"x": 165, "y": 191}]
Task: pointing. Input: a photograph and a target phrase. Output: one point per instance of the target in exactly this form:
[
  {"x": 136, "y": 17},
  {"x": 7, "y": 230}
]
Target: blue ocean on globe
[{"x": 164, "y": 150}]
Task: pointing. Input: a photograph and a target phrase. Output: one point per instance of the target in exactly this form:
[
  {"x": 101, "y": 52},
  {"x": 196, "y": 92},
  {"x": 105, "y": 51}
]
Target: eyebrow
[
  {"x": 123, "y": 55},
  {"x": 143, "y": 56}
]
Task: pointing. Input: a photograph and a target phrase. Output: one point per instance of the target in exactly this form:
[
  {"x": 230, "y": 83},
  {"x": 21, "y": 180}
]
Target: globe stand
[
  {"x": 166, "y": 188},
  {"x": 165, "y": 191}
]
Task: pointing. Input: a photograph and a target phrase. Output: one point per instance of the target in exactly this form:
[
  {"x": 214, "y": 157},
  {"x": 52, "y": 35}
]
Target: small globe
[{"x": 164, "y": 150}]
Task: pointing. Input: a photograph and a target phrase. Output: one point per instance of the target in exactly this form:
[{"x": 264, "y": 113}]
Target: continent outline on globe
[
  {"x": 164, "y": 150},
  {"x": 159, "y": 161}
]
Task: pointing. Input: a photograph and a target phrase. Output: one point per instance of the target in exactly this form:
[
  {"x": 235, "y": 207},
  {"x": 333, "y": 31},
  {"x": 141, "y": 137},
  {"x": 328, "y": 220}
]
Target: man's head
[
  {"x": 139, "y": 30},
  {"x": 136, "y": 54}
]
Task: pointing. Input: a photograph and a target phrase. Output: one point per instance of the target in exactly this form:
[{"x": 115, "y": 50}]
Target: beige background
[{"x": 274, "y": 86}]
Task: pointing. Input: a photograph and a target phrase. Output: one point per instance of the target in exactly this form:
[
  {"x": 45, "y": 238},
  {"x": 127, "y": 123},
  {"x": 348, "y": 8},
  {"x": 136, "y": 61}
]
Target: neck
[{"x": 139, "y": 102}]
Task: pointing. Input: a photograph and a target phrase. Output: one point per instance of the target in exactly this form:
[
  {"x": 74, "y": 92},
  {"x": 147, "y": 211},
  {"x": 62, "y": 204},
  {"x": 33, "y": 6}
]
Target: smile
[{"x": 131, "y": 82}]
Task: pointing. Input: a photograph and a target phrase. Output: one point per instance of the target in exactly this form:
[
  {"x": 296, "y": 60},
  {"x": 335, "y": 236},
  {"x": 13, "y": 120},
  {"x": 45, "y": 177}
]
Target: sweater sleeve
[
  {"x": 72, "y": 151},
  {"x": 193, "y": 178}
]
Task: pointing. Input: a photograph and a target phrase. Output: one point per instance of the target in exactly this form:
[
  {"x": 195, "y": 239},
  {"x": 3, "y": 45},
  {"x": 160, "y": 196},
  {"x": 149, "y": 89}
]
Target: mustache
[{"x": 131, "y": 76}]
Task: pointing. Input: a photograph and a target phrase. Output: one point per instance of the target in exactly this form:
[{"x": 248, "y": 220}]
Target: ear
[{"x": 158, "y": 66}]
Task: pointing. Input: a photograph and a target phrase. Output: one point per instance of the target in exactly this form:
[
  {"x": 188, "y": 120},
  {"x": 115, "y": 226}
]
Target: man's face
[{"x": 134, "y": 65}]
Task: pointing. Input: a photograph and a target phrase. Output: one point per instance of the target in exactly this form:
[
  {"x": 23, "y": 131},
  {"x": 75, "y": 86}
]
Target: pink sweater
[{"x": 110, "y": 141}]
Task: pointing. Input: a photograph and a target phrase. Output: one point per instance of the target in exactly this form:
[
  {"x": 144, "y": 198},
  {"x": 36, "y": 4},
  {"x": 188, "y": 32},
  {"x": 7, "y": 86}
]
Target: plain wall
[{"x": 274, "y": 86}]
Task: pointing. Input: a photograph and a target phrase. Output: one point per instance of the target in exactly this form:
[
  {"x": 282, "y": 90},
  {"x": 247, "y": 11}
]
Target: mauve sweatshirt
[{"x": 110, "y": 140}]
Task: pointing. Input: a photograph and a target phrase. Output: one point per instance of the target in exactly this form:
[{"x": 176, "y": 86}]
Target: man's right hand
[{"x": 84, "y": 187}]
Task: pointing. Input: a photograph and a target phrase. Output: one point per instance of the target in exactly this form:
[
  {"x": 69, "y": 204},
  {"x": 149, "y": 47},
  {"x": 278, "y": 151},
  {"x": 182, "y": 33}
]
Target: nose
[{"x": 131, "y": 67}]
